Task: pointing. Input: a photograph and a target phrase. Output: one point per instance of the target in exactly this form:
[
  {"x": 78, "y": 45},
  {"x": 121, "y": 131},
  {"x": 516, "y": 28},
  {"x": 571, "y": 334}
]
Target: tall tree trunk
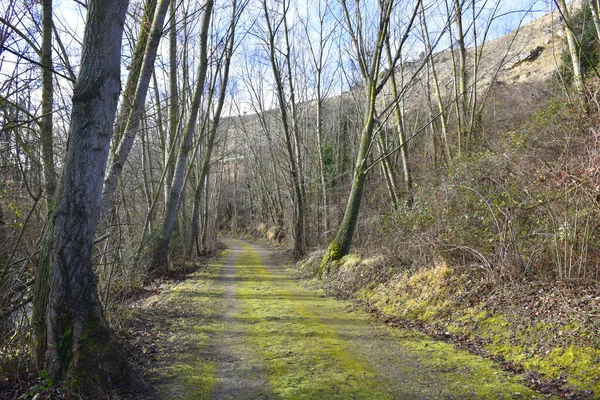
[
  {"x": 204, "y": 169},
  {"x": 318, "y": 64},
  {"x": 369, "y": 63},
  {"x": 160, "y": 252},
  {"x": 133, "y": 120},
  {"x": 173, "y": 100},
  {"x": 400, "y": 128},
  {"x": 195, "y": 222},
  {"x": 47, "y": 101},
  {"x": 206, "y": 218},
  {"x": 300, "y": 231},
  {"x": 461, "y": 80},
  {"x": 292, "y": 141},
  {"x": 322, "y": 172},
  {"x": 72, "y": 340},
  {"x": 386, "y": 169},
  {"x": 595, "y": 15},
  {"x": 3, "y": 249},
  {"x": 343, "y": 239},
  {"x": 438, "y": 92},
  {"x": 578, "y": 84},
  {"x": 147, "y": 170},
  {"x": 134, "y": 73}
]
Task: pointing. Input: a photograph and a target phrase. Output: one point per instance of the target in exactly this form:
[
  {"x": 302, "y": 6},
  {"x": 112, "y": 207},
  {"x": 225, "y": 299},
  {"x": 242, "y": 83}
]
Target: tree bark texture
[{"x": 72, "y": 340}]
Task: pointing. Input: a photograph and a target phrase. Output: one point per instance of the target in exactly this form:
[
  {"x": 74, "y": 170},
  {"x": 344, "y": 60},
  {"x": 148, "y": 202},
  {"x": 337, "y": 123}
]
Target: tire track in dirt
[{"x": 240, "y": 375}]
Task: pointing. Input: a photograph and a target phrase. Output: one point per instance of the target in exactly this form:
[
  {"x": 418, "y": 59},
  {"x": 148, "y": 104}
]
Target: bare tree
[
  {"x": 594, "y": 7},
  {"x": 138, "y": 99},
  {"x": 135, "y": 68},
  {"x": 283, "y": 77},
  {"x": 160, "y": 251},
  {"x": 369, "y": 61},
  {"x": 72, "y": 340},
  {"x": 318, "y": 59},
  {"x": 204, "y": 169},
  {"x": 574, "y": 50},
  {"x": 173, "y": 100},
  {"x": 46, "y": 135}
]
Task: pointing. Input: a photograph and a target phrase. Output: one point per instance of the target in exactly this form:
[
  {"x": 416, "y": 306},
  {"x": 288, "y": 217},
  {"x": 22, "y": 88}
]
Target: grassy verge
[{"x": 529, "y": 328}]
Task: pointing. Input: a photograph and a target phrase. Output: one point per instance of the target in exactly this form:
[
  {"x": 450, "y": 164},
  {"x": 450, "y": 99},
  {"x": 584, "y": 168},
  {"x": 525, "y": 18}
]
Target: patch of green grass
[
  {"x": 305, "y": 357},
  {"x": 195, "y": 307},
  {"x": 295, "y": 332},
  {"x": 429, "y": 296}
]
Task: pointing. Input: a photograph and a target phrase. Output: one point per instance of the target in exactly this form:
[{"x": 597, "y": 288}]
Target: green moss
[
  {"x": 185, "y": 368},
  {"x": 333, "y": 253},
  {"x": 580, "y": 364},
  {"x": 350, "y": 261},
  {"x": 306, "y": 358},
  {"x": 429, "y": 296},
  {"x": 467, "y": 375}
]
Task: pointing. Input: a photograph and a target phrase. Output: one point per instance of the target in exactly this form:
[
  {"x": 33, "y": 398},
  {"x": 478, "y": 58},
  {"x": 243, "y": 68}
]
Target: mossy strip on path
[
  {"x": 306, "y": 358},
  {"x": 193, "y": 308},
  {"x": 316, "y": 347}
]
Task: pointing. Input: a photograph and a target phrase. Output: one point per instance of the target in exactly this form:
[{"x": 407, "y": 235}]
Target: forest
[{"x": 177, "y": 176}]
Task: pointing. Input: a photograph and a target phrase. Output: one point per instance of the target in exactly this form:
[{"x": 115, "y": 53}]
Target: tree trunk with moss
[
  {"x": 71, "y": 337},
  {"x": 343, "y": 239},
  {"x": 369, "y": 62}
]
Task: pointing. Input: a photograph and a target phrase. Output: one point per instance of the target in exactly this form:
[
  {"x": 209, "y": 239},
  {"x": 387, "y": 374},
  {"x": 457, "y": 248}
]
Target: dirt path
[
  {"x": 240, "y": 374},
  {"x": 245, "y": 329}
]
